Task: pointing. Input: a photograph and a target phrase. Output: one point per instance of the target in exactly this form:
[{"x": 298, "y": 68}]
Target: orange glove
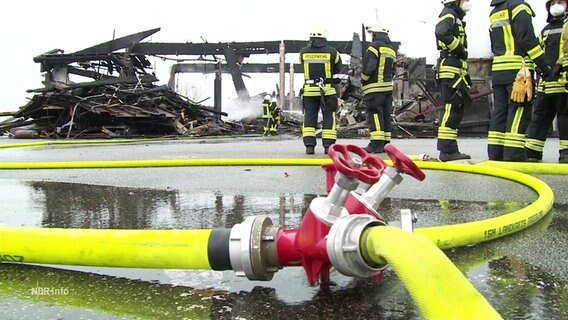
[
  {"x": 522, "y": 87},
  {"x": 519, "y": 92}
]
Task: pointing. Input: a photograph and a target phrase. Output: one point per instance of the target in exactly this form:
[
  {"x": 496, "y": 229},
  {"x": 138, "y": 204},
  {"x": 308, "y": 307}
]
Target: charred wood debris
[
  {"x": 118, "y": 99},
  {"x": 109, "y": 107}
]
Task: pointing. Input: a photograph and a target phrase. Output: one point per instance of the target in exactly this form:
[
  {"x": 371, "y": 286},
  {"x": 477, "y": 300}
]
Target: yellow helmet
[
  {"x": 377, "y": 27},
  {"x": 318, "y": 32}
]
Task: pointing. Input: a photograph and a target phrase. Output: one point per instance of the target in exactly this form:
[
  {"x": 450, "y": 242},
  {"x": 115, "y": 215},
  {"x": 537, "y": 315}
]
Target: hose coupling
[
  {"x": 407, "y": 220},
  {"x": 253, "y": 250},
  {"x": 343, "y": 246}
]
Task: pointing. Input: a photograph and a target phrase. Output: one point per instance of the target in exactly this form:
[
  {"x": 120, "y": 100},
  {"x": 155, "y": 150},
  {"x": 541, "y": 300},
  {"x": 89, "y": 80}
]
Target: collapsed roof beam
[
  {"x": 245, "y": 68},
  {"x": 97, "y": 52},
  {"x": 241, "y": 48},
  {"x": 233, "y": 63},
  {"x": 118, "y": 44}
]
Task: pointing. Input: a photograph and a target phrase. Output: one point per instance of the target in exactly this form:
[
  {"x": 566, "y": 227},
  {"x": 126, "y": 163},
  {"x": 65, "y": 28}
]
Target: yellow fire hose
[
  {"x": 161, "y": 163},
  {"x": 424, "y": 269},
  {"x": 188, "y": 249},
  {"x": 453, "y": 236},
  {"x": 529, "y": 168},
  {"x": 101, "y": 142},
  {"x": 436, "y": 285},
  {"x": 161, "y": 249}
]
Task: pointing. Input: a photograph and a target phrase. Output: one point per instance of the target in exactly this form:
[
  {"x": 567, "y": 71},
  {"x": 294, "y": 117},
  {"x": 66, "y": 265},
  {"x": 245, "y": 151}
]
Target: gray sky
[{"x": 31, "y": 28}]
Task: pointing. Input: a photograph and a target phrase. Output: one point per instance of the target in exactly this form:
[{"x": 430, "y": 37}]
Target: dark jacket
[
  {"x": 451, "y": 40},
  {"x": 320, "y": 61},
  {"x": 513, "y": 41},
  {"x": 551, "y": 40},
  {"x": 379, "y": 64},
  {"x": 450, "y": 32}
]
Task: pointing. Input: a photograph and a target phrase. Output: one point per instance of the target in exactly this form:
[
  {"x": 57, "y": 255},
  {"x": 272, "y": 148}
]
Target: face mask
[
  {"x": 557, "y": 9},
  {"x": 466, "y": 6}
]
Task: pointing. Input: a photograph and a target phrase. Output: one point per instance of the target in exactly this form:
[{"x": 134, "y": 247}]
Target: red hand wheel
[
  {"x": 403, "y": 164},
  {"x": 369, "y": 170}
]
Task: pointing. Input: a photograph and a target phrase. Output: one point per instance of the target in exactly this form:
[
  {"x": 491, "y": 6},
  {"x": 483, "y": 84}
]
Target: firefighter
[
  {"x": 514, "y": 47},
  {"x": 376, "y": 77},
  {"x": 551, "y": 97},
  {"x": 266, "y": 115},
  {"x": 320, "y": 62},
  {"x": 452, "y": 75},
  {"x": 274, "y": 117}
]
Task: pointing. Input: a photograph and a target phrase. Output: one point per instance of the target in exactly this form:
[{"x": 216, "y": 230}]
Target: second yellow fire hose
[{"x": 426, "y": 272}]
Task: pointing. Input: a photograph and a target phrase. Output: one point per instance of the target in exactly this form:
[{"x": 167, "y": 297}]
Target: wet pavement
[{"x": 523, "y": 276}]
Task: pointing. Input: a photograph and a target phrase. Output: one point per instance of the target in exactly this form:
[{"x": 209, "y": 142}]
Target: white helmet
[
  {"x": 448, "y": 1},
  {"x": 267, "y": 97},
  {"x": 318, "y": 32},
  {"x": 274, "y": 100},
  {"x": 377, "y": 27}
]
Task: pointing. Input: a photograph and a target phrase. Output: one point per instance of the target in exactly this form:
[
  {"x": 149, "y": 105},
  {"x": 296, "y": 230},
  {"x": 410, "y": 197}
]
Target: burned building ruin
[{"x": 120, "y": 97}]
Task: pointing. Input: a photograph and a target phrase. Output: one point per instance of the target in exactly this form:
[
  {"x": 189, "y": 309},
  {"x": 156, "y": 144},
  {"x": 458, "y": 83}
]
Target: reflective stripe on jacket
[
  {"x": 266, "y": 109},
  {"x": 551, "y": 40},
  {"x": 379, "y": 64},
  {"x": 513, "y": 40},
  {"x": 320, "y": 61},
  {"x": 452, "y": 42}
]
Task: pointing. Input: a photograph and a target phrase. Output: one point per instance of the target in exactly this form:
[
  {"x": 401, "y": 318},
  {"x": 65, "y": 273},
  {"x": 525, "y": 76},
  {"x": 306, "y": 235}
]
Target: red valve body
[{"x": 307, "y": 245}]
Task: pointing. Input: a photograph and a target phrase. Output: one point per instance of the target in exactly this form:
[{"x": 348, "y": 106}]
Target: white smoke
[{"x": 239, "y": 109}]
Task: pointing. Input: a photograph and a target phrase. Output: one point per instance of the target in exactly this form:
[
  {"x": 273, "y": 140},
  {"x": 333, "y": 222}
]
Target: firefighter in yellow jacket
[
  {"x": 551, "y": 97},
  {"x": 320, "y": 62},
  {"x": 266, "y": 114},
  {"x": 452, "y": 75},
  {"x": 274, "y": 117},
  {"x": 376, "y": 77},
  {"x": 514, "y": 46}
]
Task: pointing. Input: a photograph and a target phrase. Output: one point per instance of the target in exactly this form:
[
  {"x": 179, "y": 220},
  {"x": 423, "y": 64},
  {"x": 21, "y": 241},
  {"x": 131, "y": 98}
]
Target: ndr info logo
[{"x": 48, "y": 291}]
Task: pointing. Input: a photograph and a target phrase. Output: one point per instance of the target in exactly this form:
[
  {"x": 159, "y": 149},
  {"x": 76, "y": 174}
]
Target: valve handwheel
[
  {"x": 368, "y": 171},
  {"x": 403, "y": 164}
]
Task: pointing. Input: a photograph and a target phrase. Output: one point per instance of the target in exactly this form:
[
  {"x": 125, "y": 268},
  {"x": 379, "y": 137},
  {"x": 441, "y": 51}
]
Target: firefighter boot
[
  {"x": 453, "y": 156},
  {"x": 563, "y": 159},
  {"x": 310, "y": 149},
  {"x": 375, "y": 147}
]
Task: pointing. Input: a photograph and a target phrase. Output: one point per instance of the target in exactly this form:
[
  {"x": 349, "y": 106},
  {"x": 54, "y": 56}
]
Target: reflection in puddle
[
  {"x": 517, "y": 283},
  {"x": 68, "y": 205}
]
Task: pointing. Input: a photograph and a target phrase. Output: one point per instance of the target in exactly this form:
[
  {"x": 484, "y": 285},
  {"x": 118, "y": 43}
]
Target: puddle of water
[{"x": 519, "y": 277}]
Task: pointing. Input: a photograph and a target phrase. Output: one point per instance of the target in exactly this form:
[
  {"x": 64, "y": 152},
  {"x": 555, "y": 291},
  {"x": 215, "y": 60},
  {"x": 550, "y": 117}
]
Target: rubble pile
[{"x": 126, "y": 107}]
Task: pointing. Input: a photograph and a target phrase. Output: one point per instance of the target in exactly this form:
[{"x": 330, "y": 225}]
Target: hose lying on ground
[
  {"x": 436, "y": 285},
  {"x": 189, "y": 249}
]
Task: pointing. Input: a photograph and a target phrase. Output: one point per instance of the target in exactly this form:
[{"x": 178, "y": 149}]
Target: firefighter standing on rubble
[
  {"x": 376, "y": 77},
  {"x": 320, "y": 62},
  {"x": 266, "y": 114},
  {"x": 551, "y": 97},
  {"x": 515, "y": 47},
  {"x": 452, "y": 75},
  {"x": 274, "y": 117}
]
